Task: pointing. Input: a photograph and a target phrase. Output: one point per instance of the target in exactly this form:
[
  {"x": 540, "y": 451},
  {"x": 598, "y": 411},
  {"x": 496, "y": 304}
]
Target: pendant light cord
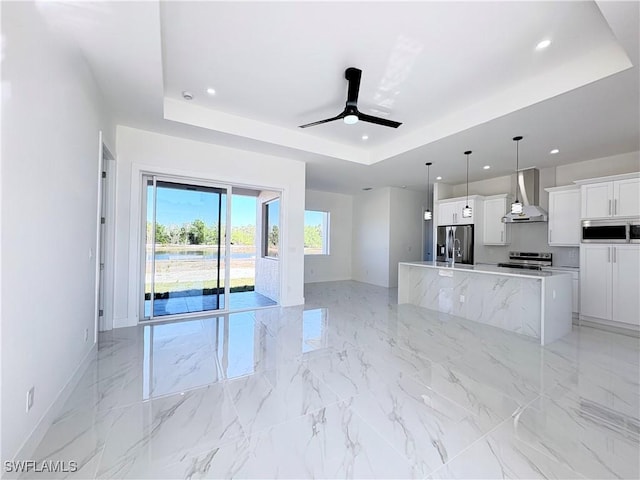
[
  {"x": 517, "y": 140},
  {"x": 467, "y": 179},
  {"x": 428, "y": 164},
  {"x": 467, "y": 153}
]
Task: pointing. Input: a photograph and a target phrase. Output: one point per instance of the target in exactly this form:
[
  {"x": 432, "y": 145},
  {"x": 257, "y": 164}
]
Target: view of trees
[
  {"x": 313, "y": 236},
  {"x": 198, "y": 233}
]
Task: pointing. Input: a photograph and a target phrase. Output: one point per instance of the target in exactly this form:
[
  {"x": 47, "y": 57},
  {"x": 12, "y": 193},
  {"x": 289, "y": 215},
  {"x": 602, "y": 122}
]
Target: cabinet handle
[
  {"x": 615, "y": 206},
  {"x": 608, "y": 254},
  {"x": 609, "y": 207},
  {"x": 550, "y": 235},
  {"x": 502, "y": 236},
  {"x": 615, "y": 254}
]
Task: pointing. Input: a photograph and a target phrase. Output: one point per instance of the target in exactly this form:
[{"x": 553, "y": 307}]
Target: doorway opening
[
  {"x": 245, "y": 250},
  {"x": 202, "y": 248}
]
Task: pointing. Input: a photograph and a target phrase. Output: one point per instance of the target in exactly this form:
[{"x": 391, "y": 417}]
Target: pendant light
[
  {"x": 427, "y": 213},
  {"x": 466, "y": 211},
  {"x": 516, "y": 207}
]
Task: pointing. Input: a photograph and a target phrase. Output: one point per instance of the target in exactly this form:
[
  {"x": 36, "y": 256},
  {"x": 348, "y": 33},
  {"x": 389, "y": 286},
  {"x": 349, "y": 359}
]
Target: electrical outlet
[
  {"x": 461, "y": 298},
  {"x": 30, "y": 398}
]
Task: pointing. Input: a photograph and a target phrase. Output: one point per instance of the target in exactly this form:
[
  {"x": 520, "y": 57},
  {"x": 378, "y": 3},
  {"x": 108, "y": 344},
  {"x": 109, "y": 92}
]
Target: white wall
[
  {"x": 406, "y": 223},
  {"x": 371, "y": 229},
  {"x": 599, "y": 167},
  {"x": 336, "y": 265},
  {"x": 52, "y": 115},
  {"x": 491, "y": 186},
  {"x": 267, "y": 269},
  {"x": 139, "y": 150}
]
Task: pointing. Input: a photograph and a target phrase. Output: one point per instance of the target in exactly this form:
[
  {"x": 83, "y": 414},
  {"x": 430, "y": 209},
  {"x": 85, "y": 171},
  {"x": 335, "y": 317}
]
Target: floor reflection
[{"x": 188, "y": 354}]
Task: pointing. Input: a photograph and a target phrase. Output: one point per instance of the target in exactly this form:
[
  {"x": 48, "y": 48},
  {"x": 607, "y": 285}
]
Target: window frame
[{"x": 265, "y": 229}]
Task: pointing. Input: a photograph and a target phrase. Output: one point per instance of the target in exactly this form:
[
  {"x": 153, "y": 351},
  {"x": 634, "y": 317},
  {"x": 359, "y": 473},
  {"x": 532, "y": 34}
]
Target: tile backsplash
[{"x": 527, "y": 237}]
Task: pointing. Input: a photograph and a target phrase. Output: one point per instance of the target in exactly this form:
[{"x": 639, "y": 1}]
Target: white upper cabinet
[
  {"x": 564, "y": 216},
  {"x": 626, "y": 198},
  {"x": 447, "y": 213},
  {"x": 450, "y": 211},
  {"x": 494, "y": 231},
  {"x": 602, "y": 198}
]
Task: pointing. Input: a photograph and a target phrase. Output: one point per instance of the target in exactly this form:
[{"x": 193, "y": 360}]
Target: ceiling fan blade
[
  {"x": 320, "y": 122},
  {"x": 378, "y": 120},
  {"x": 353, "y": 76}
]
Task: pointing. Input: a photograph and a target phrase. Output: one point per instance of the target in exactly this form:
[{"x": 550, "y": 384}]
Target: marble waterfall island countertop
[
  {"x": 490, "y": 269},
  {"x": 528, "y": 302}
]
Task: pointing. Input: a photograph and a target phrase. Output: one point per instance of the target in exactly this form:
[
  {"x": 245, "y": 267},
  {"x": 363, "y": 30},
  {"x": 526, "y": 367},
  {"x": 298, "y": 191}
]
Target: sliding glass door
[{"x": 185, "y": 247}]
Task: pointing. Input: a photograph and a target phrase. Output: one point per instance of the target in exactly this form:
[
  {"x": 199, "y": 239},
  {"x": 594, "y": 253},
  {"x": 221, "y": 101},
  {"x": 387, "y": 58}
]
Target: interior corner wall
[
  {"x": 52, "y": 112},
  {"x": 139, "y": 151},
  {"x": 267, "y": 269},
  {"x": 406, "y": 223},
  {"x": 337, "y": 265},
  {"x": 371, "y": 233}
]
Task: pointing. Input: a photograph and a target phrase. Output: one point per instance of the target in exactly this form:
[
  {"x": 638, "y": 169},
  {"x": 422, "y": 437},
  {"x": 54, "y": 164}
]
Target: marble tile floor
[{"x": 351, "y": 386}]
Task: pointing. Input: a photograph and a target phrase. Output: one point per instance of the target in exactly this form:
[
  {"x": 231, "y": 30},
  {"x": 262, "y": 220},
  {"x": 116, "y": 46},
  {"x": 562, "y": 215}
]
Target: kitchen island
[{"x": 529, "y": 302}]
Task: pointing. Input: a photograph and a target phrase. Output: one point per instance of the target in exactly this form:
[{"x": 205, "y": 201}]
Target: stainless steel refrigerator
[{"x": 455, "y": 244}]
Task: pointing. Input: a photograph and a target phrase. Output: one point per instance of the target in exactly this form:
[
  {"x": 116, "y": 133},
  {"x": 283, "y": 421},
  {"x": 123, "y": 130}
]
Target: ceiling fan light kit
[{"x": 351, "y": 115}]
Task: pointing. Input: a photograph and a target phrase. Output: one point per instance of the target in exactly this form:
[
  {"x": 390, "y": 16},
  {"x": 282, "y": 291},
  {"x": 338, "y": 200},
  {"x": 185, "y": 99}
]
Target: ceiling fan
[{"x": 351, "y": 114}]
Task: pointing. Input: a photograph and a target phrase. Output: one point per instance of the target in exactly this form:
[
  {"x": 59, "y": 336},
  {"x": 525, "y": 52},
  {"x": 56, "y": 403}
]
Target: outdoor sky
[{"x": 176, "y": 207}]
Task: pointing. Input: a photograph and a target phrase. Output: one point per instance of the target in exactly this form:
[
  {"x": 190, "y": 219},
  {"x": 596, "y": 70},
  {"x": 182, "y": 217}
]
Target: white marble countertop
[
  {"x": 490, "y": 269},
  {"x": 564, "y": 268}
]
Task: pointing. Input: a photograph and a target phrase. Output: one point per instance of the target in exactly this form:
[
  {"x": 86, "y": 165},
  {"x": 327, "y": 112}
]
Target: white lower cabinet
[
  {"x": 626, "y": 284},
  {"x": 610, "y": 283}
]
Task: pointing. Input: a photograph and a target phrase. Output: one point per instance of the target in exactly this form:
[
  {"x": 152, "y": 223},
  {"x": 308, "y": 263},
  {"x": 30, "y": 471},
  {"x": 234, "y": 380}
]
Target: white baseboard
[
  {"x": 28, "y": 448},
  {"x": 609, "y": 326}
]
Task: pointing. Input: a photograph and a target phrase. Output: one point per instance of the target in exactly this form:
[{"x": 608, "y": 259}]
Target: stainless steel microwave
[
  {"x": 634, "y": 231},
  {"x": 605, "y": 231}
]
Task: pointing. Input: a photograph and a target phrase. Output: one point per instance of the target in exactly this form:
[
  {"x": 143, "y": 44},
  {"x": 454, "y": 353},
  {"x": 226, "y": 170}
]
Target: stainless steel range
[{"x": 528, "y": 260}]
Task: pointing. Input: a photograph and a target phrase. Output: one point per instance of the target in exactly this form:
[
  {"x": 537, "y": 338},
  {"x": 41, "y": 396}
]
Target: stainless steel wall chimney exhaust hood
[{"x": 528, "y": 188}]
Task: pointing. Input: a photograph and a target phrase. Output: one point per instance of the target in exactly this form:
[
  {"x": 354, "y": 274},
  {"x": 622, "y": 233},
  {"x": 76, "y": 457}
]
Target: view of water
[{"x": 199, "y": 255}]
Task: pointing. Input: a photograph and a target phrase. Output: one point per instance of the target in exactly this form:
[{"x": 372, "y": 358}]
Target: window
[
  {"x": 271, "y": 229},
  {"x": 316, "y": 233}
]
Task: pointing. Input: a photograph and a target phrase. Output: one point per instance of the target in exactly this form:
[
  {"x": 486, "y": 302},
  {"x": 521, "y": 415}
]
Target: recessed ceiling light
[
  {"x": 187, "y": 95},
  {"x": 543, "y": 44},
  {"x": 554, "y": 151},
  {"x": 404, "y": 186},
  {"x": 438, "y": 178},
  {"x": 211, "y": 91},
  {"x": 487, "y": 167},
  {"x": 365, "y": 137}
]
